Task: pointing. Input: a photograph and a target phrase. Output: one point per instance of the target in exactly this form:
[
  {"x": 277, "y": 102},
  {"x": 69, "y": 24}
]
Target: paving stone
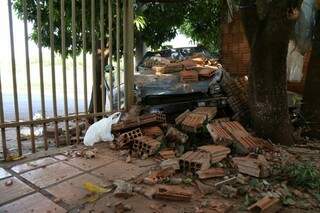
[
  {"x": 51, "y": 174},
  {"x": 89, "y": 164},
  {"x": 120, "y": 170},
  {"x": 35, "y": 203},
  {"x": 4, "y": 173},
  {"x": 15, "y": 190},
  {"x": 33, "y": 165},
  {"x": 60, "y": 157},
  {"x": 72, "y": 191}
]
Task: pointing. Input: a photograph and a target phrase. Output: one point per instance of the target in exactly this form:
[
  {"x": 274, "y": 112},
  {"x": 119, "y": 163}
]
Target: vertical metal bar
[
  {"x": 94, "y": 55},
  {"x": 74, "y": 57},
  {"x": 110, "y": 53},
  {"x": 84, "y": 49},
  {"x": 54, "y": 95},
  {"x": 3, "y": 130},
  {"x": 130, "y": 47},
  {"x": 118, "y": 51},
  {"x": 28, "y": 75},
  {"x": 102, "y": 48},
  {"x": 43, "y": 103},
  {"x": 63, "y": 54},
  {"x": 14, "y": 77},
  {"x": 125, "y": 53}
]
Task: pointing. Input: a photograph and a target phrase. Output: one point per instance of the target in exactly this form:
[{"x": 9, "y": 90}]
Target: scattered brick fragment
[
  {"x": 193, "y": 122},
  {"x": 174, "y": 193},
  {"x": 266, "y": 205},
  {"x": 252, "y": 165},
  {"x": 211, "y": 173}
]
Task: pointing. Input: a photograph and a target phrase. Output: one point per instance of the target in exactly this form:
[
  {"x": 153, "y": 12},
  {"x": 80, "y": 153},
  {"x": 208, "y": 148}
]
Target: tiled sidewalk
[{"x": 55, "y": 183}]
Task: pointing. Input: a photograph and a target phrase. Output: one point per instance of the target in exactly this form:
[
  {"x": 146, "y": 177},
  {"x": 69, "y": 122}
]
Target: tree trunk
[
  {"x": 311, "y": 98},
  {"x": 140, "y": 48},
  {"x": 268, "y": 40},
  {"x": 99, "y": 84}
]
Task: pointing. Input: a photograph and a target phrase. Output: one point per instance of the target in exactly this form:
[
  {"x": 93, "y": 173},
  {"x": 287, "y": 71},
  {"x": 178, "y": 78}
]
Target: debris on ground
[
  {"x": 174, "y": 193},
  {"x": 8, "y": 182},
  {"x": 266, "y": 204}
]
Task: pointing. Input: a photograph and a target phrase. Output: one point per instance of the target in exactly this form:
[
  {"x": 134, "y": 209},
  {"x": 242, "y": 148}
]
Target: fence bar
[
  {"x": 94, "y": 55},
  {"x": 102, "y": 50},
  {"x": 125, "y": 53},
  {"x": 63, "y": 54},
  {"x": 110, "y": 19},
  {"x": 43, "y": 103},
  {"x": 74, "y": 59},
  {"x": 118, "y": 51},
  {"x": 14, "y": 77},
  {"x": 84, "y": 48},
  {"x": 128, "y": 36},
  {"x": 49, "y": 120},
  {"x": 28, "y": 75},
  {"x": 54, "y": 95},
  {"x": 3, "y": 130}
]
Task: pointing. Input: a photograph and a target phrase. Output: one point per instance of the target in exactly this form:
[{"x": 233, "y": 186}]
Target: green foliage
[
  {"x": 158, "y": 22},
  {"x": 203, "y": 22},
  {"x": 304, "y": 175}
]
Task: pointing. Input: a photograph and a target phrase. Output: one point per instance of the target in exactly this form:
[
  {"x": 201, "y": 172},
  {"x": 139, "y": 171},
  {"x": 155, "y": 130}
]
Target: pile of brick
[
  {"x": 233, "y": 133},
  {"x": 145, "y": 146}
]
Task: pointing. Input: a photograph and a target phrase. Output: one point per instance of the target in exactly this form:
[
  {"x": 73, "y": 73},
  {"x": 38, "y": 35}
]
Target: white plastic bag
[
  {"x": 295, "y": 63},
  {"x": 101, "y": 130}
]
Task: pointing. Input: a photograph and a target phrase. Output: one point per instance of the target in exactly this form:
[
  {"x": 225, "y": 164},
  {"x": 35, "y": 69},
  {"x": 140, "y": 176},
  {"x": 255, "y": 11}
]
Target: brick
[
  {"x": 167, "y": 154},
  {"x": 194, "y": 161},
  {"x": 256, "y": 166},
  {"x": 189, "y": 76},
  {"x": 173, "y": 193},
  {"x": 193, "y": 122},
  {"x": 127, "y": 138},
  {"x": 199, "y": 60},
  {"x": 153, "y": 131},
  {"x": 266, "y": 205},
  {"x": 210, "y": 112},
  {"x": 175, "y": 136},
  {"x": 207, "y": 72},
  {"x": 219, "y": 134},
  {"x": 157, "y": 176},
  {"x": 181, "y": 117},
  {"x": 145, "y": 146},
  {"x": 144, "y": 120},
  {"x": 211, "y": 173},
  {"x": 217, "y": 152},
  {"x": 189, "y": 64}
]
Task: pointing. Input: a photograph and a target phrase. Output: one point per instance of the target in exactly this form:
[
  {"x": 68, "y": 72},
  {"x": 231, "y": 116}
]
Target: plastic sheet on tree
[
  {"x": 295, "y": 61},
  {"x": 304, "y": 26}
]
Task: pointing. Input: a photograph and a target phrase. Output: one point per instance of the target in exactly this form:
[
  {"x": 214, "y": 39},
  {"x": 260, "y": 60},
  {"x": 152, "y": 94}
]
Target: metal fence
[{"x": 120, "y": 19}]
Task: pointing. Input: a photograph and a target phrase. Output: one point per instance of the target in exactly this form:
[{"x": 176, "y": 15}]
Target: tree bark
[
  {"x": 99, "y": 84},
  {"x": 268, "y": 40},
  {"x": 311, "y": 97}
]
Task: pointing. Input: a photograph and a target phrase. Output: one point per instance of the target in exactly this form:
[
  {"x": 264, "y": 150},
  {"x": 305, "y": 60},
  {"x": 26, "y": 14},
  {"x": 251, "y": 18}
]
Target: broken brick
[
  {"x": 193, "y": 122},
  {"x": 266, "y": 205},
  {"x": 174, "y": 193},
  {"x": 211, "y": 173},
  {"x": 167, "y": 154},
  {"x": 128, "y": 138},
  {"x": 252, "y": 165},
  {"x": 175, "y": 136},
  {"x": 182, "y": 116},
  {"x": 157, "y": 176},
  {"x": 153, "y": 131},
  {"x": 210, "y": 112},
  {"x": 189, "y": 64},
  {"x": 194, "y": 161},
  {"x": 144, "y": 120},
  {"x": 145, "y": 146},
  {"x": 217, "y": 152}
]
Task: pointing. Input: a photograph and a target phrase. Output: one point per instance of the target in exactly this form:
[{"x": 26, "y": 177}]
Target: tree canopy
[{"x": 158, "y": 22}]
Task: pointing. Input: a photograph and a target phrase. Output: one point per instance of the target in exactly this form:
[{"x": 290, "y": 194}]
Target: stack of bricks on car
[
  {"x": 233, "y": 133},
  {"x": 189, "y": 69}
]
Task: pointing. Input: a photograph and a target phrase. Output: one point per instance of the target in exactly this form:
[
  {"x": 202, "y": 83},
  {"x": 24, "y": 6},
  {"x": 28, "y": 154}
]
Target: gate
[{"x": 107, "y": 17}]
